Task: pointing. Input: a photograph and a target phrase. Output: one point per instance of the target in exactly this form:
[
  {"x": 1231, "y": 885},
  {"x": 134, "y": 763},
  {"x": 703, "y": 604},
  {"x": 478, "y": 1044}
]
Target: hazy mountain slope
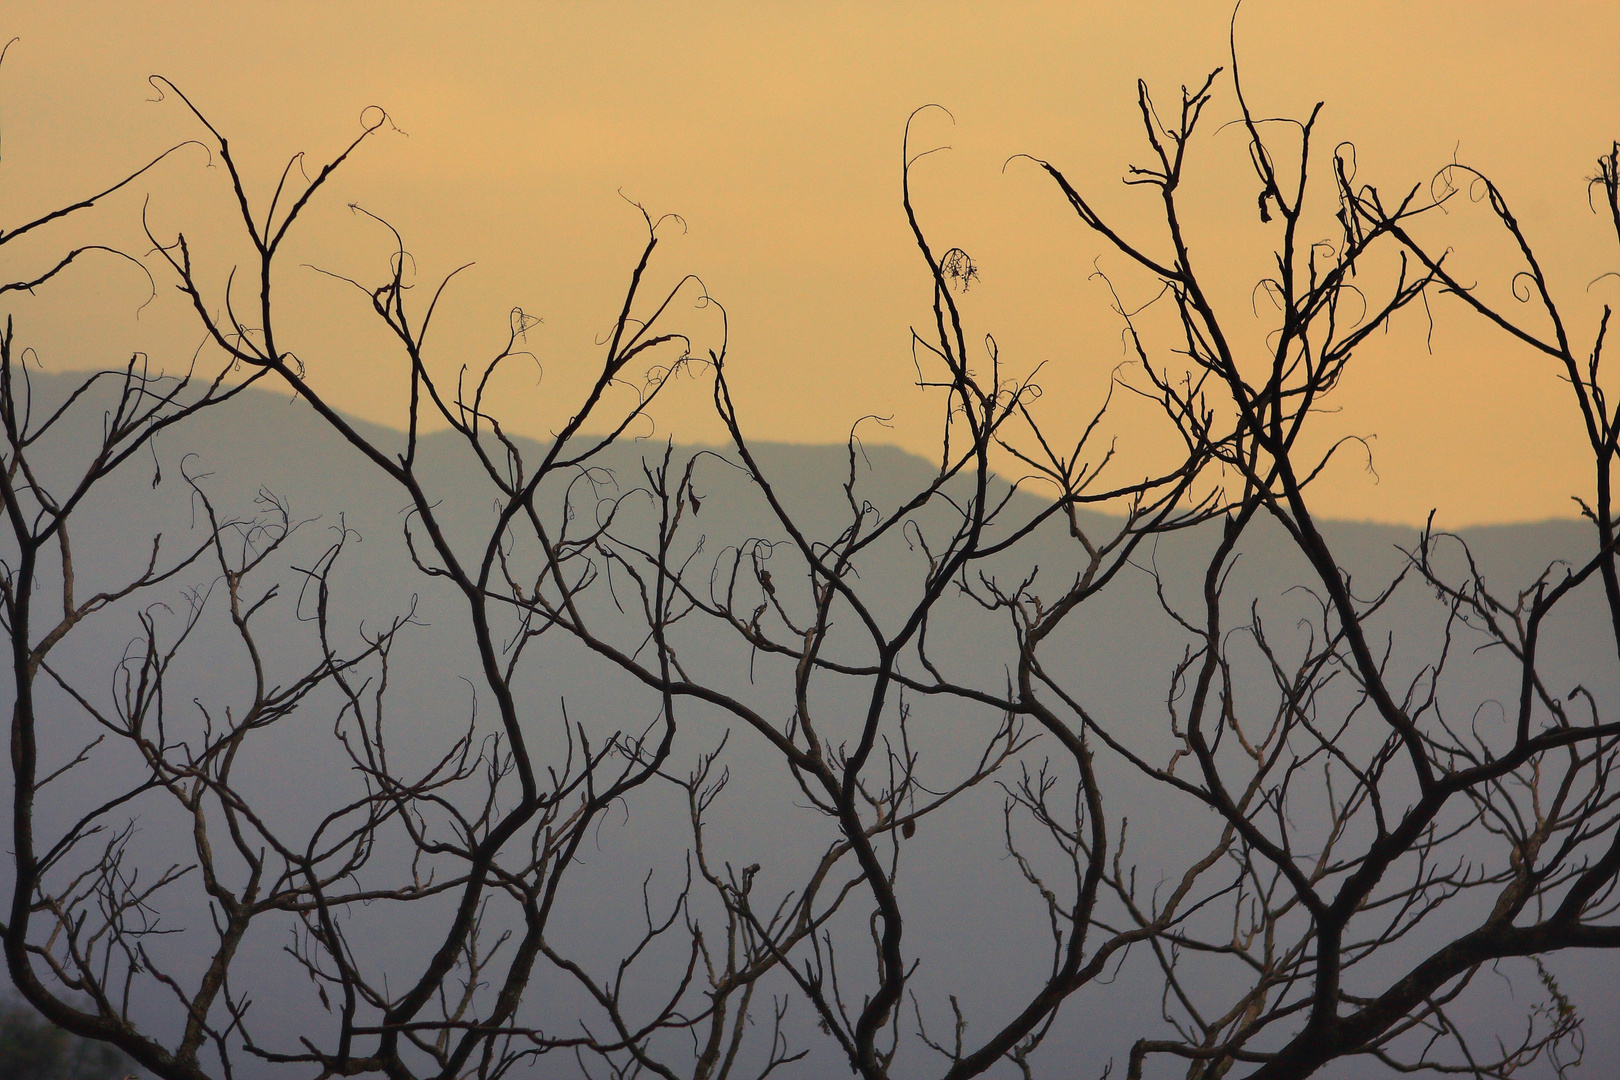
[{"x": 1122, "y": 647}]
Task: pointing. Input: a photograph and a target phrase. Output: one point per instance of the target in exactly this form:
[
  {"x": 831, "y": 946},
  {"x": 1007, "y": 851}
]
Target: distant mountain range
[{"x": 978, "y": 929}]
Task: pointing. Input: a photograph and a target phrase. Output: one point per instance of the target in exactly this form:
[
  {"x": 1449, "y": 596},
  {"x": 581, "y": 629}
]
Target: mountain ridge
[{"x": 1121, "y": 650}]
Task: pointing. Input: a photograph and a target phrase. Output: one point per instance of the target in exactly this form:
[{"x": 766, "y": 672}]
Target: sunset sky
[{"x": 774, "y": 130}]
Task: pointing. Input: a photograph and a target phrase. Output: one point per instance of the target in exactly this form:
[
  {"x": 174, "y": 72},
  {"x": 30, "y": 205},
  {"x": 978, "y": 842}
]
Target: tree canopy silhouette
[{"x": 1358, "y": 836}]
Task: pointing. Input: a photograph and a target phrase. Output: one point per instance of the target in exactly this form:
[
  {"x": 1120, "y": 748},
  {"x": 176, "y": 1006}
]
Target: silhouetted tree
[{"x": 1362, "y": 851}]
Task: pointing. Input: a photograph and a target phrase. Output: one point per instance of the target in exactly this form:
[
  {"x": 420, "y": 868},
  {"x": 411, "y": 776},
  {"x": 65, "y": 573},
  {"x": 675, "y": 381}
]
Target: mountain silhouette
[{"x": 976, "y": 927}]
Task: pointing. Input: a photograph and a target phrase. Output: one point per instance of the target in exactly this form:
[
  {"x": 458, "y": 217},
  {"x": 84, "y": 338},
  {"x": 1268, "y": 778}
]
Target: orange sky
[{"x": 774, "y": 130}]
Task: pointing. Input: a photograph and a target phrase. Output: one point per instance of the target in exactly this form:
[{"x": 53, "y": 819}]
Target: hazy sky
[{"x": 774, "y": 131}]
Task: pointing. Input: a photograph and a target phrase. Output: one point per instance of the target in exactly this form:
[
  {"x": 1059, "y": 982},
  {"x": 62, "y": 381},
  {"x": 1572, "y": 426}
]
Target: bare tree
[
  {"x": 1416, "y": 812},
  {"x": 485, "y": 820},
  {"x": 1363, "y": 851}
]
